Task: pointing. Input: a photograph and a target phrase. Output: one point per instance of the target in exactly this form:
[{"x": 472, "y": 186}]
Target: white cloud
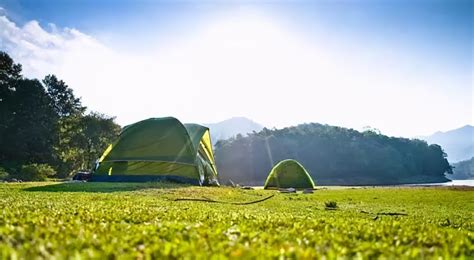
[
  {"x": 240, "y": 64},
  {"x": 42, "y": 52}
]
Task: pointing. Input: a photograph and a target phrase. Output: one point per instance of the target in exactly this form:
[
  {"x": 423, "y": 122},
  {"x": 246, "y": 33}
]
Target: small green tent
[
  {"x": 289, "y": 174},
  {"x": 159, "y": 149}
]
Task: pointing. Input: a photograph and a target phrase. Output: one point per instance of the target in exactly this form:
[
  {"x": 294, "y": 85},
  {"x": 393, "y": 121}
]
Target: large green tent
[
  {"x": 289, "y": 174},
  {"x": 159, "y": 149}
]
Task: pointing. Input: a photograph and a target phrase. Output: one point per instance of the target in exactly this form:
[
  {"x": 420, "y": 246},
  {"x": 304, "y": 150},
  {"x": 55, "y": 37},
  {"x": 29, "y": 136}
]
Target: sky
[{"x": 403, "y": 67}]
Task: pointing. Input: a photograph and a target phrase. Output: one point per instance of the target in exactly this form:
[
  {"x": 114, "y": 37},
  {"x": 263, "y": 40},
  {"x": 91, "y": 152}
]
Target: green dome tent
[
  {"x": 289, "y": 174},
  {"x": 159, "y": 149}
]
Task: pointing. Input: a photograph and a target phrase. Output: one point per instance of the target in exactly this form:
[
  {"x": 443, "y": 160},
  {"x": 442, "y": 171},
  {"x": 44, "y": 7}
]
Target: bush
[
  {"x": 3, "y": 174},
  {"x": 330, "y": 205},
  {"x": 36, "y": 172}
]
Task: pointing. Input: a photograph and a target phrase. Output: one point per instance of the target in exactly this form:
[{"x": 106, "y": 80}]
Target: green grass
[{"x": 120, "y": 220}]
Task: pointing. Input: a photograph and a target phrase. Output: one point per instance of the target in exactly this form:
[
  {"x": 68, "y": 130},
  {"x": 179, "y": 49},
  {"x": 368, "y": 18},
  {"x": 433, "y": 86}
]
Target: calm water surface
[
  {"x": 460, "y": 182},
  {"x": 449, "y": 183}
]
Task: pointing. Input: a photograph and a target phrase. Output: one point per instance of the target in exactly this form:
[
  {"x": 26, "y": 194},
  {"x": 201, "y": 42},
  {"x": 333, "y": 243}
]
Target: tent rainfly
[
  {"x": 158, "y": 149},
  {"x": 289, "y": 174}
]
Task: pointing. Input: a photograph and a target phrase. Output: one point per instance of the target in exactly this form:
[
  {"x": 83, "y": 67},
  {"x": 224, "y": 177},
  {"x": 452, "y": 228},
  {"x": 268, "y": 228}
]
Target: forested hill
[
  {"x": 463, "y": 170},
  {"x": 332, "y": 155}
]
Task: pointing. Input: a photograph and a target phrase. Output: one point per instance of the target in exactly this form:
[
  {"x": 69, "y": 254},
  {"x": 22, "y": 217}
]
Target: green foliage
[
  {"x": 3, "y": 174},
  {"x": 82, "y": 139},
  {"x": 99, "y": 131},
  {"x": 332, "y": 155},
  {"x": 46, "y": 123},
  {"x": 132, "y": 220},
  {"x": 68, "y": 146},
  {"x": 330, "y": 204},
  {"x": 36, "y": 172},
  {"x": 8, "y": 69},
  {"x": 27, "y": 122},
  {"x": 62, "y": 97},
  {"x": 463, "y": 170}
]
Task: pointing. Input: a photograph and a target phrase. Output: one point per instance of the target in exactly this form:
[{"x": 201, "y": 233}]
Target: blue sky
[{"x": 404, "y": 67}]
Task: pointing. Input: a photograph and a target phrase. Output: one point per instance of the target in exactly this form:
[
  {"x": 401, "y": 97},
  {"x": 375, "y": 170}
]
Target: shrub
[
  {"x": 3, "y": 174},
  {"x": 330, "y": 205},
  {"x": 36, "y": 172}
]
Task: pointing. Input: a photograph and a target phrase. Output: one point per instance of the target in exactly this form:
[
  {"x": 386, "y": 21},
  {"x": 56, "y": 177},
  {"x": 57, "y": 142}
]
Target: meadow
[{"x": 156, "y": 220}]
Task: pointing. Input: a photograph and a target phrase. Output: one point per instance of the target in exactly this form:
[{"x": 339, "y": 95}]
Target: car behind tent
[
  {"x": 159, "y": 149},
  {"x": 289, "y": 174}
]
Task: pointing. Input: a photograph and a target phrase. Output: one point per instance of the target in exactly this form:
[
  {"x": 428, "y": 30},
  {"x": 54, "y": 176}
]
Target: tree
[
  {"x": 99, "y": 132},
  {"x": 10, "y": 73},
  {"x": 68, "y": 147},
  {"x": 27, "y": 122},
  {"x": 8, "y": 69},
  {"x": 62, "y": 97},
  {"x": 82, "y": 139},
  {"x": 45, "y": 124}
]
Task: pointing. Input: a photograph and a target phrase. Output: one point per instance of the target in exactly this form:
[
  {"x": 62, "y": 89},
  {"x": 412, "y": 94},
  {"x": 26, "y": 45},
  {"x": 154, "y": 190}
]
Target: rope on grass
[
  {"x": 385, "y": 213},
  {"x": 224, "y": 202}
]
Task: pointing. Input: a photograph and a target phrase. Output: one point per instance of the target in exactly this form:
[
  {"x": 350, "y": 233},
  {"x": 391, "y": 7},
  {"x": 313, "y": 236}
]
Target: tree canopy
[
  {"x": 332, "y": 155},
  {"x": 43, "y": 124}
]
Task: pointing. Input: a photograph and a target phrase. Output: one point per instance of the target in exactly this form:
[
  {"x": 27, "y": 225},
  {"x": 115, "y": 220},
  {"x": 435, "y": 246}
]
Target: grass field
[{"x": 120, "y": 220}]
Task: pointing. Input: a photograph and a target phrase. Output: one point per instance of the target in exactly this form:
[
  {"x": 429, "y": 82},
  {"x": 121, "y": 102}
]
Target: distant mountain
[
  {"x": 463, "y": 170},
  {"x": 457, "y": 143},
  {"x": 231, "y": 127}
]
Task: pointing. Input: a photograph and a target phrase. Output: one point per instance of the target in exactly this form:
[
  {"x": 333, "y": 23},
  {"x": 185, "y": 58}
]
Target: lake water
[
  {"x": 450, "y": 183},
  {"x": 459, "y": 183}
]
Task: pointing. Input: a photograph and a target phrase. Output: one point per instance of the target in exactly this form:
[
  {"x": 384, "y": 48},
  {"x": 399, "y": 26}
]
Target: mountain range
[
  {"x": 232, "y": 127},
  {"x": 457, "y": 143}
]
